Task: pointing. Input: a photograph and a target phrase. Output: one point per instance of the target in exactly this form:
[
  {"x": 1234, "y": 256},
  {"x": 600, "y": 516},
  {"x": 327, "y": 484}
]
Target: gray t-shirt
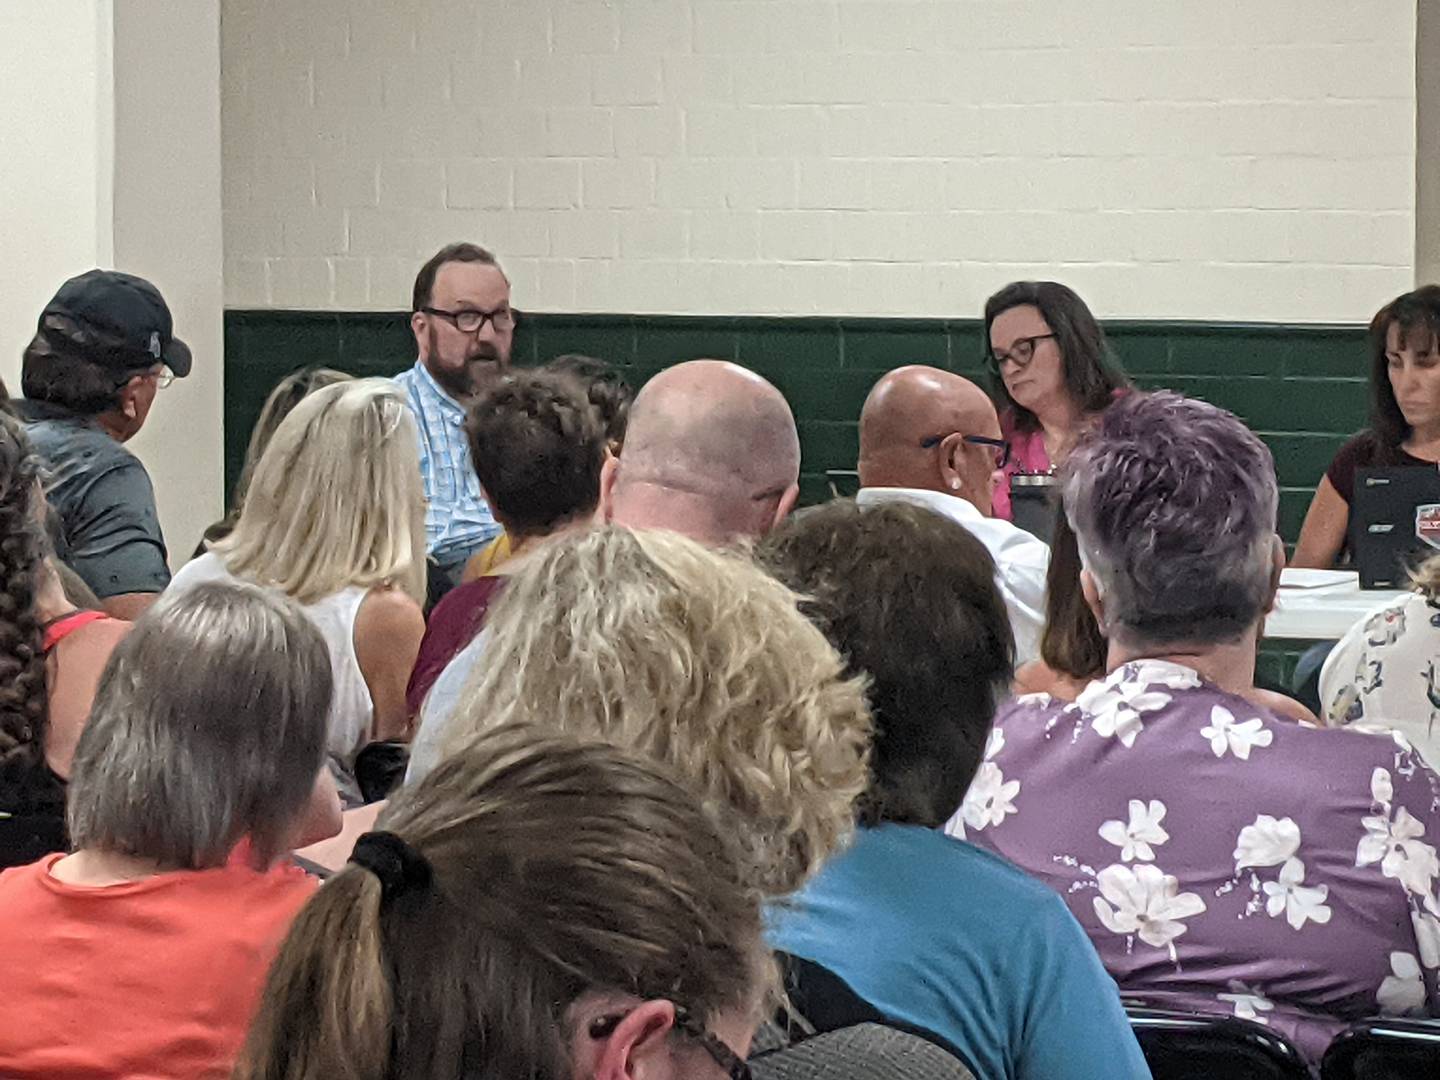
[{"x": 109, "y": 531}]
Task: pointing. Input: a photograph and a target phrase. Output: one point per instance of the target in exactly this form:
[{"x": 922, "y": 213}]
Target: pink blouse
[{"x": 1027, "y": 456}]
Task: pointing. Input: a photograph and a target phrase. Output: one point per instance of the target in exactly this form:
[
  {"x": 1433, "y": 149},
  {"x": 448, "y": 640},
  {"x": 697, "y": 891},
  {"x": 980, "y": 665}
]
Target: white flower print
[
  {"x": 1397, "y": 847},
  {"x": 1144, "y": 829},
  {"x": 1297, "y": 900},
  {"x": 1381, "y": 789},
  {"x": 994, "y": 742},
  {"x": 1248, "y": 1002},
  {"x": 1402, "y": 993},
  {"x": 1114, "y": 711},
  {"x": 1268, "y": 842},
  {"x": 990, "y": 798},
  {"x": 1427, "y": 936},
  {"x": 1223, "y": 732},
  {"x": 1146, "y": 902}
]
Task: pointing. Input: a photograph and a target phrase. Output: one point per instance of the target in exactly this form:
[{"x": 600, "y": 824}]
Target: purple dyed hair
[{"x": 1173, "y": 502}]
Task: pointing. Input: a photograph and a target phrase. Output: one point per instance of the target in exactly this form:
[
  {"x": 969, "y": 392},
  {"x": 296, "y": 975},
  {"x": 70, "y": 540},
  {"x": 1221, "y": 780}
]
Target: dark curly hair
[
  {"x": 538, "y": 446},
  {"x": 605, "y": 388},
  {"x": 23, "y": 703},
  {"x": 908, "y": 597}
]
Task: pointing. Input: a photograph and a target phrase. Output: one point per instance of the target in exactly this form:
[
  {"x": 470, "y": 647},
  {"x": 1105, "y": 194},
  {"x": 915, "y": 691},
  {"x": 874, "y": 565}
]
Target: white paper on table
[{"x": 1317, "y": 579}]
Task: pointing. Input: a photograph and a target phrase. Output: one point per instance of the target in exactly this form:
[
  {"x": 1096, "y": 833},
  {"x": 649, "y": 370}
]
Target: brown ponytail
[
  {"x": 556, "y": 868},
  {"x": 333, "y": 964}
]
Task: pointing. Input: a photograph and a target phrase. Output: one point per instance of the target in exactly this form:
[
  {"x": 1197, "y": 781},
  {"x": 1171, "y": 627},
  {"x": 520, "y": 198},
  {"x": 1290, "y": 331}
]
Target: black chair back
[
  {"x": 863, "y": 1052},
  {"x": 1384, "y": 1050},
  {"x": 1196, "y": 1046}
]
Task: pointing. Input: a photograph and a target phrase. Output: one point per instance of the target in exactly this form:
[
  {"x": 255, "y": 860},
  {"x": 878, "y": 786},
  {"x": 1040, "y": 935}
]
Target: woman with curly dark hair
[{"x": 51, "y": 655}]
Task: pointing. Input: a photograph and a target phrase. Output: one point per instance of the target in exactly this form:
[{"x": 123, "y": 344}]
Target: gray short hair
[
  {"x": 1173, "y": 502},
  {"x": 208, "y": 725}
]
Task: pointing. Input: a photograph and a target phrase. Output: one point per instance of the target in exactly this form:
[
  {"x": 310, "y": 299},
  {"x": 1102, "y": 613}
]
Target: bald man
[
  {"x": 931, "y": 437},
  {"x": 710, "y": 451}
]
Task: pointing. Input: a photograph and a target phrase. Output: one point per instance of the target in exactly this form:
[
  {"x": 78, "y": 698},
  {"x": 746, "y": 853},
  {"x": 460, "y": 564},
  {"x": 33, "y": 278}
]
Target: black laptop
[{"x": 1394, "y": 523}]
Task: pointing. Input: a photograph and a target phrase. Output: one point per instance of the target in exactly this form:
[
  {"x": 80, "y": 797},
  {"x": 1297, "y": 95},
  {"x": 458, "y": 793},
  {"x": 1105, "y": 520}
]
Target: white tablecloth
[{"x": 1321, "y": 604}]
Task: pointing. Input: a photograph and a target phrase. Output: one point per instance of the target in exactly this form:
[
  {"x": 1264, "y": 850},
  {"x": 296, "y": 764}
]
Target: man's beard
[{"x": 481, "y": 367}]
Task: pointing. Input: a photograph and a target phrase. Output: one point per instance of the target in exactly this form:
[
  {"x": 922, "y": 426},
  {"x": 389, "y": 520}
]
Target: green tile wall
[{"x": 1302, "y": 388}]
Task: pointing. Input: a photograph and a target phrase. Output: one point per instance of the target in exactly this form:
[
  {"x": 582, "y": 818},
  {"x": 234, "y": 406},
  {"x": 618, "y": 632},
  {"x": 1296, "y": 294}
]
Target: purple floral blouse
[{"x": 1222, "y": 858}]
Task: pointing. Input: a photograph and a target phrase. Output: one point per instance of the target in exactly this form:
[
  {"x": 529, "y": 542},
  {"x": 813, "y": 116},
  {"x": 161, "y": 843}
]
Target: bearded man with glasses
[
  {"x": 931, "y": 437},
  {"x": 463, "y": 325}
]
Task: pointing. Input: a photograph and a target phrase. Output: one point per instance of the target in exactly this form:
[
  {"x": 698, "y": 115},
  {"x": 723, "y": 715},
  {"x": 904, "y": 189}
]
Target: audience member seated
[
  {"x": 464, "y": 326},
  {"x": 333, "y": 519},
  {"x": 1053, "y": 374},
  {"x": 288, "y": 393},
  {"x": 1221, "y": 858},
  {"x": 506, "y": 922},
  {"x": 1383, "y": 673},
  {"x": 1404, "y": 420},
  {"x": 103, "y": 348},
  {"x": 698, "y": 658},
  {"x": 1072, "y": 649},
  {"x": 914, "y": 922},
  {"x": 143, "y": 953},
  {"x": 610, "y": 395},
  {"x": 931, "y": 437},
  {"x": 710, "y": 451},
  {"x": 538, "y": 446},
  {"x": 51, "y": 656}
]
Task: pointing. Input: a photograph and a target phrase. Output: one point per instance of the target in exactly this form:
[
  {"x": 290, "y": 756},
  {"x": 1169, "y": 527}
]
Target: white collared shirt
[{"x": 1021, "y": 560}]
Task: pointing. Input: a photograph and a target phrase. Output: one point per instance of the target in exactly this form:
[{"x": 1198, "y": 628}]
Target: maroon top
[
  {"x": 1365, "y": 451},
  {"x": 453, "y": 624}
]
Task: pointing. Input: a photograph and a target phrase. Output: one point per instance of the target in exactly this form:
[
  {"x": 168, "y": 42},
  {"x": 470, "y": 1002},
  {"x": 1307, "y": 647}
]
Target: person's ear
[
  {"x": 419, "y": 323},
  {"x": 609, "y": 473},
  {"x": 638, "y": 1048},
  {"x": 128, "y": 407},
  {"x": 950, "y": 464},
  {"x": 785, "y": 505},
  {"x": 1093, "y": 600},
  {"x": 1277, "y": 564}
]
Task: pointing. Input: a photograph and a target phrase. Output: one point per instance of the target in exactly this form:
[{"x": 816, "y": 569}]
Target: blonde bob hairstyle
[
  {"x": 336, "y": 499},
  {"x": 701, "y": 660}
]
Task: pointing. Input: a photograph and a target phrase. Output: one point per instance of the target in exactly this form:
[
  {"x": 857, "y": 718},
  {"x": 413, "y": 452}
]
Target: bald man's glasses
[{"x": 1000, "y": 447}]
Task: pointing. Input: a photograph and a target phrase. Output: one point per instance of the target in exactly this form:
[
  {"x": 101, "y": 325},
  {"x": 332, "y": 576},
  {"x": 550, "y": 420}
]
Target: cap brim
[{"x": 177, "y": 357}]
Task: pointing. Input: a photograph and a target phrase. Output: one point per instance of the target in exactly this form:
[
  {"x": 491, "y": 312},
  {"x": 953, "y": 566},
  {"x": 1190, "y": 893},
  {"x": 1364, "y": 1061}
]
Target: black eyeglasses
[
  {"x": 471, "y": 322},
  {"x": 603, "y": 1027},
  {"x": 1021, "y": 352},
  {"x": 1000, "y": 446}
]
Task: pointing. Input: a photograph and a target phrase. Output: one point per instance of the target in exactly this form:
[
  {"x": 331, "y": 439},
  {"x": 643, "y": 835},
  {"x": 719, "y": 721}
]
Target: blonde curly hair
[{"x": 697, "y": 658}]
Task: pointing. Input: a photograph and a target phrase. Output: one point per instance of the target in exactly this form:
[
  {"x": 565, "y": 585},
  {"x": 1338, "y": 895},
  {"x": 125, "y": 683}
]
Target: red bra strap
[{"x": 66, "y": 625}]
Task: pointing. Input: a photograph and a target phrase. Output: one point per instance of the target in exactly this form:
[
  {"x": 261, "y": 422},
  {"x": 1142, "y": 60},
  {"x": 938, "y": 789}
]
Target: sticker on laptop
[{"x": 1427, "y": 524}]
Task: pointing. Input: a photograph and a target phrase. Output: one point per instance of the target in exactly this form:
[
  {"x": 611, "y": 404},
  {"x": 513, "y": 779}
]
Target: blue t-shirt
[{"x": 940, "y": 935}]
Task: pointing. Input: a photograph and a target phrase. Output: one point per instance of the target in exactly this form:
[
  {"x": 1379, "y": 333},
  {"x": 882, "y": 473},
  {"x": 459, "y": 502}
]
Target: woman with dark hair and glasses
[
  {"x": 541, "y": 905},
  {"x": 1053, "y": 372},
  {"x": 1404, "y": 419}
]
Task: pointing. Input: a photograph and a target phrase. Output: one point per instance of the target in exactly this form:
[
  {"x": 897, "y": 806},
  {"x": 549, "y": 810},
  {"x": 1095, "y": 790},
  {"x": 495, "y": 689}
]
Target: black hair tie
[{"x": 399, "y": 867}]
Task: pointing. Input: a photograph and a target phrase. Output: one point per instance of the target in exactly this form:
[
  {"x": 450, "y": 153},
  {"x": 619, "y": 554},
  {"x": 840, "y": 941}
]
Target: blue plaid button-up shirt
[{"x": 457, "y": 517}]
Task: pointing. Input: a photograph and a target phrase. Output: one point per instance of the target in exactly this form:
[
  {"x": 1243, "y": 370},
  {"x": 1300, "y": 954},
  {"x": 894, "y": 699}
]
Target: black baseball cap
[{"x": 128, "y": 311}]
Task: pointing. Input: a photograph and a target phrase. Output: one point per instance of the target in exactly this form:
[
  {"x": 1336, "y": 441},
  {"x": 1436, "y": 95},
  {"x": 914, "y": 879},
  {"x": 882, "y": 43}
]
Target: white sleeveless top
[{"x": 351, "y": 708}]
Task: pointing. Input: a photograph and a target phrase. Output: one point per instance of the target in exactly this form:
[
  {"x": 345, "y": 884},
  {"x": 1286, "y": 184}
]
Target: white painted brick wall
[{"x": 1232, "y": 160}]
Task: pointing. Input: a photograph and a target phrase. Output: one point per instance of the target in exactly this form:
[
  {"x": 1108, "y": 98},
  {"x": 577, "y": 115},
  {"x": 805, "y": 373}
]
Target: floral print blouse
[
  {"x": 1223, "y": 859},
  {"x": 1385, "y": 672}
]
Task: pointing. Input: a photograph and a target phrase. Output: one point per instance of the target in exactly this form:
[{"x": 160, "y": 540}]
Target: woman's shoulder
[{"x": 385, "y": 613}]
